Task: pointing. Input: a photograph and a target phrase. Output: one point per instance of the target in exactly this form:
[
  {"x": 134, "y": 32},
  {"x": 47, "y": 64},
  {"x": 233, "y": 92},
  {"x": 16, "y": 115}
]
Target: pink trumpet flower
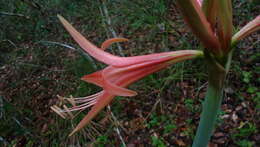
[{"x": 121, "y": 72}]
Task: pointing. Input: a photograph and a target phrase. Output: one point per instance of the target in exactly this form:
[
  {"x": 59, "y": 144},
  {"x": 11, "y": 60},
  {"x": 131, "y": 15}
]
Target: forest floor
[{"x": 36, "y": 65}]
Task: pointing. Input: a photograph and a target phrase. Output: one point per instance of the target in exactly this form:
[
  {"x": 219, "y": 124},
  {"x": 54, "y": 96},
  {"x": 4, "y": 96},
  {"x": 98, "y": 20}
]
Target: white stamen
[
  {"x": 71, "y": 100},
  {"x": 87, "y": 97},
  {"x": 69, "y": 112},
  {"x": 58, "y": 111},
  {"x": 79, "y": 107},
  {"x": 84, "y": 102}
]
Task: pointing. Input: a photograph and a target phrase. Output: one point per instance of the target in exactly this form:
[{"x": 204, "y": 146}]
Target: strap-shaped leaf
[
  {"x": 225, "y": 25},
  {"x": 209, "y": 8},
  {"x": 197, "y": 21}
]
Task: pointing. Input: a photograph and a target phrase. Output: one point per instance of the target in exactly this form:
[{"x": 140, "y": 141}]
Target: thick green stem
[{"x": 211, "y": 104}]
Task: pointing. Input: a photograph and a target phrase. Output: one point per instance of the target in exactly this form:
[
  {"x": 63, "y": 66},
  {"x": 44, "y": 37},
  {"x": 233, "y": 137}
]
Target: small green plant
[
  {"x": 220, "y": 114},
  {"x": 189, "y": 103},
  {"x": 157, "y": 142},
  {"x": 168, "y": 128},
  {"x": 244, "y": 143},
  {"x": 102, "y": 141},
  {"x": 247, "y": 130},
  {"x": 252, "y": 89},
  {"x": 257, "y": 100},
  {"x": 153, "y": 122},
  {"x": 247, "y": 76},
  {"x": 188, "y": 132},
  {"x": 156, "y": 120}
]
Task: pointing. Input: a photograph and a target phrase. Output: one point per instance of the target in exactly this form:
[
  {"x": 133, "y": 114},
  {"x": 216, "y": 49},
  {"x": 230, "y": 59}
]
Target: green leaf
[
  {"x": 209, "y": 8},
  {"x": 225, "y": 25}
]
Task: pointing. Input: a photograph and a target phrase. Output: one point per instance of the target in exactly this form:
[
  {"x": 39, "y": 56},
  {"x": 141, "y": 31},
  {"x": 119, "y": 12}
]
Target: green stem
[{"x": 211, "y": 104}]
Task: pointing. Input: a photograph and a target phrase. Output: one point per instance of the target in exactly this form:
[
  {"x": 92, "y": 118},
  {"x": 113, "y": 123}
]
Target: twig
[
  {"x": 1, "y": 107},
  {"x": 85, "y": 134},
  {"x": 104, "y": 13},
  {"x": 72, "y": 48},
  {"x": 154, "y": 107},
  {"x": 14, "y": 14},
  {"x": 93, "y": 125},
  {"x": 107, "y": 31},
  {"x": 58, "y": 43},
  {"x": 201, "y": 87},
  {"x": 4, "y": 141},
  {"x": 22, "y": 126},
  {"x": 32, "y": 4},
  {"x": 13, "y": 44},
  {"x": 116, "y": 128},
  {"x": 36, "y": 66},
  {"x": 165, "y": 43}
]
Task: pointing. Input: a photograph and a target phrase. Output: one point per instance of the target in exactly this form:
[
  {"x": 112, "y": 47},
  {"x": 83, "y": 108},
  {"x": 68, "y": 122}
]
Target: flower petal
[
  {"x": 108, "y": 42},
  {"x": 249, "y": 28},
  {"x": 104, "y": 100},
  {"x": 88, "y": 46},
  {"x": 105, "y": 57},
  {"x": 117, "y": 90},
  {"x": 94, "y": 78},
  {"x": 98, "y": 78}
]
